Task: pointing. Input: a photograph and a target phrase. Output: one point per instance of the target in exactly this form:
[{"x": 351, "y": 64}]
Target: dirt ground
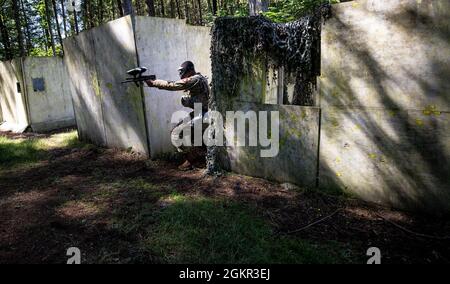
[{"x": 77, "y": 196}]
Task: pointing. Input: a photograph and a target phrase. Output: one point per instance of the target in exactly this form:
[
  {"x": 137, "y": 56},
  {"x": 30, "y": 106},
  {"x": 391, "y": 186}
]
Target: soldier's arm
[{"x": 180, "y": 85}]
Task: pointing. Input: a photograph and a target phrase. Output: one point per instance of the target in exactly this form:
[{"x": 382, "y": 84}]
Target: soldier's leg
[{"x": 177, "y": 135}]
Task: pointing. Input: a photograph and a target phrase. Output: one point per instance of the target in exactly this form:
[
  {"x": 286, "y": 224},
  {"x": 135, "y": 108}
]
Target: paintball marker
[{"x": 138, "y": 76}]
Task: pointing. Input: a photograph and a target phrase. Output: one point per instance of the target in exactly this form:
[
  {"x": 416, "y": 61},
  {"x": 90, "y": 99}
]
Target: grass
[
  {"x": 21, "y": 152},
  {"x": 152, "y": 219},
  {"x": 206, "y": 230}
]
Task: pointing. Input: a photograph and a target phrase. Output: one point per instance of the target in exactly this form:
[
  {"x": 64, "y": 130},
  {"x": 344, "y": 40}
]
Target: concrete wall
[
  {"x": 111, "y": 114},
  {"x": 297, "y": 159},
  {"x": 385, "y": 133},
  {"x": 383, "y": 113},
  {"x": 44, "y": 110},
  {"x": 108, "y": 112},
  {"x": 52, "y": 108},
  {"x": 13, "y": 104},
  {"x": 162, "y": 45}
]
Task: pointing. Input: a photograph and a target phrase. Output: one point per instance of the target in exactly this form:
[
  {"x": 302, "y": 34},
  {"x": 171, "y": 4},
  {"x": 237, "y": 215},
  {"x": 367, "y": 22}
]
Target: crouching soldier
[{"x": 196, "y": 87}]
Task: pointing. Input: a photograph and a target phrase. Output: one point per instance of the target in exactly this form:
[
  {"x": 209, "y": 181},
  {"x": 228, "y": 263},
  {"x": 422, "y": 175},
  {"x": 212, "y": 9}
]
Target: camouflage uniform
[
  {"x": 196, "y": 85},
  {"x": 198, "y": 89}
]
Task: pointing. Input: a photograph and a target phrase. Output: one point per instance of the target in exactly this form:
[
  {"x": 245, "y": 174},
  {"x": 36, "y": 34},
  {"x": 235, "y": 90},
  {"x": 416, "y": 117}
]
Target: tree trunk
[
  {"x": 208, "y": 2},
  {"x": 200, "y": 19},
  {"x": 75, "y": 17},
  {"x": 186, "y": 11},
  {"x": 172, "y": 9},
  {"x": 113, "y": 10},
  {"x": 119, "y": 5},
  {"x": 58, "y": 28},
  {"x": 84, "y": 15},
  {"x": 49, "y": 24},
  {"x": 18, "y": 24},
  {"x": 162, "y": 8},
  {"x": 192, "y": 14},
  {"x": 151, "y": 7},
  {"x": 47, "y": 39},
  {"x": 214, "y": 7},
  {"x": 127, "y": 7},
  {"x": 27, "y": 28},
  {"x": 5, "y": 38},
  {"x": 257, "y": 6},
  {"x": 100, "y": 11},
  {"x": 177, "y": 3},
  {"x": 63, "y": 11},
  {"x": 73, "y": 21},
  {"x": 88, "y": 17}
]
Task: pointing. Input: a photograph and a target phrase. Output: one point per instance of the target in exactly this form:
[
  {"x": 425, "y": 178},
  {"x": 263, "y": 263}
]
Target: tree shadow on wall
[
  {"x": 401, "y": 150},
  {"x": 108, "y": 112}
]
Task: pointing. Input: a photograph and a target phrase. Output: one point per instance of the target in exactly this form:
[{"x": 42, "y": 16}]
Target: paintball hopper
[{"x": 137, "y": 76}]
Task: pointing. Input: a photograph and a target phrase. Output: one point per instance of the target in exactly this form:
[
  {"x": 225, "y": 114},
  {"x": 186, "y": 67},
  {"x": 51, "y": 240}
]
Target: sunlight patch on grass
[
  {"x": 78, "y": 209},
  {"x": 26, "y": 151},
  {"x": 63, "y": 140}
]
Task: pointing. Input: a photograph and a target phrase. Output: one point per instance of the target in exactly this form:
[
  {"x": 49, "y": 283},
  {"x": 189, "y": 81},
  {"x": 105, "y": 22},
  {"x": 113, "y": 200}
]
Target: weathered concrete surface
[
  {"x": 123, "y": 112},
  {"x": 385, "y": 102},
  {"x": 163, "y": 57},
  {"x": 13, "y": 104},
  {"x": 79, "y": 60},
  {"x": 108, "y": 113},
  {"x": 387, "y": 54},
  {"x": 396, "y": 158},
  {"x": 296, "y": 161},
  {"x": 51, "y": 108},
  {"x": 198, "y": 46},
  {"x": 44, "y": 110},
  {"x": 111, "y": 114}
]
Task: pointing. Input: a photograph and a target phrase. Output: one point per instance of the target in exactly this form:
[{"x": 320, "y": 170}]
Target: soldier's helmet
[{"x": 185, "y": 68}]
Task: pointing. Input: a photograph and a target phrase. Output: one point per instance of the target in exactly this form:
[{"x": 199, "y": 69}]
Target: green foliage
[
  {"x": 40, "y": 51},
  {"x": 36, "y": 28},
  {"x": 290, "y": 10},
  {"x": 239, "y": 9}
]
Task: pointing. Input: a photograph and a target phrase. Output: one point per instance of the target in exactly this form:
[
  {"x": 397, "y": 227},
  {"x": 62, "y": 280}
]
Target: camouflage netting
[{"x": 294, "y": 46}]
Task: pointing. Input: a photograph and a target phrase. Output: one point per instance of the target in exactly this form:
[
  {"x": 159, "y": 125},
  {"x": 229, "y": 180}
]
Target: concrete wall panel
[
  {"x": 396, "y": 158},
  {"x": 123, "y": 112},
  {"x": 198, "y": 43},
  {"x": 161, "y": 45},
  {"x": 79, "y": 60},
  {"x": 387, "y": 54},
  {"x": 296, "y": 161},
  {"x": 52, "y": 108},
  {"x": 13, "y": 104},
  {"x": 385, "y": 103},
  {"x": 108, "y": 113},
  {"x": 163, "y": 56}
]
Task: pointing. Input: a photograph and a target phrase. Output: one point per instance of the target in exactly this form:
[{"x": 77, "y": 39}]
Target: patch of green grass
[
  {"x": 66, "y": 140},
  {"x": 204, "y": 230},
  {"x": 13, "y": 152},
  {"x": 27, "y": 151}
]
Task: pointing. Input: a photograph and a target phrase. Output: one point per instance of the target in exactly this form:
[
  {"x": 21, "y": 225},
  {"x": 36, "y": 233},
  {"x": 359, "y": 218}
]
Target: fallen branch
[
  {"x": 412, "y": 232},
  {"x": 315, "y": 222}
]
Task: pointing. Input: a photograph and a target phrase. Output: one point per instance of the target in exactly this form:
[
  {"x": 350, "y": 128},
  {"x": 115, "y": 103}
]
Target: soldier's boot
[{"x": 186, "y": 166}]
